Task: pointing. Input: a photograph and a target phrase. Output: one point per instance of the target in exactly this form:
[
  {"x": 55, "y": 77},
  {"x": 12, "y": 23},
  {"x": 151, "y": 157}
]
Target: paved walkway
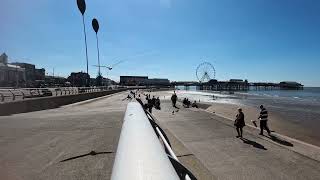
[
  {"x": 33, "y": 144},
  {"x": 54, "y": 144},
  {"x": 212, "y": 139}
]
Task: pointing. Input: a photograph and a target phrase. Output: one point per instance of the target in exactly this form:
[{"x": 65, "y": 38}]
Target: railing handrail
[
  {"x": 140, "y": 123},
  {"x": 139, "y": 154},
  {"x": 56, "y": 91}
]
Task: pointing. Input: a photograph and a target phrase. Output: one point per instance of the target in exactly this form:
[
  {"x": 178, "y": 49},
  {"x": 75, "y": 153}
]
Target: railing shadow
[{"x": 92, "y": 153}]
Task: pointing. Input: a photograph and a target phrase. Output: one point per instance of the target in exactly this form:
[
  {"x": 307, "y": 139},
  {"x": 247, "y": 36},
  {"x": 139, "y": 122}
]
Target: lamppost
[
  {"x": 95, "y": 26},
  {"x": 82, "y": 8}
]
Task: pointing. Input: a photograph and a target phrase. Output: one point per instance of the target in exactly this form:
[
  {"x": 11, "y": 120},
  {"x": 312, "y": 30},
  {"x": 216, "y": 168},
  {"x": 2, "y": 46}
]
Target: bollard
[{"x": 140, "y": 155}]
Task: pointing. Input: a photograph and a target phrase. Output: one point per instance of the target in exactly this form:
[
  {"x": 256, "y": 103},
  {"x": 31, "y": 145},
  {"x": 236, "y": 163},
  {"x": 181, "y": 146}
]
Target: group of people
[
  {"x": 186, "y": 103},
  {"x": 239, "y": 123},
  {"x": 151, "y": 102}
]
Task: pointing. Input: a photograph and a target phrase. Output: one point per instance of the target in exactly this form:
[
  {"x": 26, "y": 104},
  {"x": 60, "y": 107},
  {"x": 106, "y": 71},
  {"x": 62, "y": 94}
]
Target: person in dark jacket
[
  {"x": 174, "y": 99},
  {"x": 150, "y": 105},
  {"x": 264, "y": 120},
  {"x": 239, "y": 122},
  {"x": 153, "y": 101},
  {"x": 157, "y": 104}
]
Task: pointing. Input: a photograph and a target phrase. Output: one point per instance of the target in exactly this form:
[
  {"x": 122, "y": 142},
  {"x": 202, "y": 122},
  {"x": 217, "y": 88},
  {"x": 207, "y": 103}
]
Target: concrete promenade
[
  {"x": 52, "y": 144},
  {"x": 212, "y": 139},
  {"x": 32, "y": 145}
]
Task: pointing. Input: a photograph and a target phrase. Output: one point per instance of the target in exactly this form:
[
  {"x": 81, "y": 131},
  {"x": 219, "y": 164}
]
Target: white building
[{"x": 11, "y": 75}]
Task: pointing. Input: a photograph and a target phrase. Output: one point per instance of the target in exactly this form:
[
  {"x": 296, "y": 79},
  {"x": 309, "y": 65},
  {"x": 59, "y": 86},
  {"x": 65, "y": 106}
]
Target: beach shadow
[
  {"x": 280, "y": 141},
  {"x": 92, "y": 153},
  {"x": 253, "y": 143}
]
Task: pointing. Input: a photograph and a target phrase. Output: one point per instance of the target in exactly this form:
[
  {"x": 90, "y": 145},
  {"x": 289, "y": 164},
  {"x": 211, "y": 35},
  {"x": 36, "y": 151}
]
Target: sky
[{"x": 258, "y": 40}]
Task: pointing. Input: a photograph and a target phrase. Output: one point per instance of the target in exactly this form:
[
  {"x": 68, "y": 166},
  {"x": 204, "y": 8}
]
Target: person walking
[
  {"x": 157, "y": 104},
  {"x": 150, "y": 105},
  {"x": 264, "y": 120},
  {"x": 174, "y": 99},
  {"x": 239, "y": 123},
  {"x": 153, "y": 101}
]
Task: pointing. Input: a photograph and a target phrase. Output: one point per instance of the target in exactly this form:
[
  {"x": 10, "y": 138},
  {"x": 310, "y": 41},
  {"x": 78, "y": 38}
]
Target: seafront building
[
  {"x": 11, "y": 75},
  {"x": 143, "y": 81},
  {"x": 19, "y": 74},
  {"x": 78, "y": 78}
]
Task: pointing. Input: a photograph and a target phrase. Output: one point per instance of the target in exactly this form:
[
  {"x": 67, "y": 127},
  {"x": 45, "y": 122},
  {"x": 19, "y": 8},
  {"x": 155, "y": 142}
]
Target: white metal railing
[
  {"x": 140, "y": 155},
  {"x": 11, "y": 94},
  {"x": 184, "y": 173}
]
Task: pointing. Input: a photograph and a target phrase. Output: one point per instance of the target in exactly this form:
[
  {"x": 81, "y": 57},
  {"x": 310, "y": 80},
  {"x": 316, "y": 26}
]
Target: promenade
[
  {"x": 32, "y": 145},
  {"x": 212, "y": 139},
  {"x": 54, "y": 144}
]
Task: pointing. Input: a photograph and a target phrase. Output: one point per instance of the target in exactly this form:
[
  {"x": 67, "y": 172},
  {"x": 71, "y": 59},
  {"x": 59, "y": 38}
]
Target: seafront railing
[
  {"x": 10, "y": 94},
  {"x": 140, "y": 155}
]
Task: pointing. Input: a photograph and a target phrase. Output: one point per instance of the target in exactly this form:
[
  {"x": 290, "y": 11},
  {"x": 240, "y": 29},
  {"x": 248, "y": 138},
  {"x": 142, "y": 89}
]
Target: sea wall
[{"x": 43, "y": 103}]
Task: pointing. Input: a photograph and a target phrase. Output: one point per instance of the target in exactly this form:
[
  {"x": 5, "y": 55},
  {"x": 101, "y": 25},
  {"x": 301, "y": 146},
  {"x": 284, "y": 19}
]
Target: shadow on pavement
[
  {"x": 92, "y": 153},
  {"x": 253, "y": 143},
  {"x": 280, "y": 141}
]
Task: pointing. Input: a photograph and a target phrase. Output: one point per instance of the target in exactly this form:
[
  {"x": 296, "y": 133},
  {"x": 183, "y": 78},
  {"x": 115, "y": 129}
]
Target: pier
[{"x": 239, "y": 85}]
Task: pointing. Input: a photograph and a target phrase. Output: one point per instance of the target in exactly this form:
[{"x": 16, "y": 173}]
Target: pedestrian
[
  {"x": 174, "y": 99},
  {"x": 153, "y": 100},
  {"x": 264, "y": 120},
  {"x": 239, "y": 123},
  {"x": 150, "y": 105},
  {"x": 157, "y": 104}
]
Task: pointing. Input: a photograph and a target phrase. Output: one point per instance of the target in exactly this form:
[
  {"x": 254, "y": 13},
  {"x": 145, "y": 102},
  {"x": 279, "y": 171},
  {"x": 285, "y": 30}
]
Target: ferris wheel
[{"x": 205, "y": 72}]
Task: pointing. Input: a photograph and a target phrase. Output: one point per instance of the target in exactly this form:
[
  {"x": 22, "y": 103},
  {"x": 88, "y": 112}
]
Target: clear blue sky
[{"x": 260, "y": 40}]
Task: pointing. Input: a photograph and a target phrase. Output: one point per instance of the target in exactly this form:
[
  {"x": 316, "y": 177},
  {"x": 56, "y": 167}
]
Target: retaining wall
[{"x": 43, "y": 103}]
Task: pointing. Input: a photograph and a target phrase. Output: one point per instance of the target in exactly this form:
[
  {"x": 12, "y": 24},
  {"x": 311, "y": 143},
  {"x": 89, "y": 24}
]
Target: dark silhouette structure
[
  {"x": 82, "y": 8},
  {"x": 95, "y": 26}
]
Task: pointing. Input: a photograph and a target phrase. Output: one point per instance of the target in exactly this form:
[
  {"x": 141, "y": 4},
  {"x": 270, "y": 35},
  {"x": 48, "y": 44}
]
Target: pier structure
[{"x": 239, "y": 85}]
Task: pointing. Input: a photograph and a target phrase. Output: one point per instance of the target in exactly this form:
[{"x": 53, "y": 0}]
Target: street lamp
[
  {"x": 82, "y": 8},
  {"x": 95, "y": 26}
]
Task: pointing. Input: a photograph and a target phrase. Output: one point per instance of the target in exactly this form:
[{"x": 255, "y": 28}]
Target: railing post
[
  {"x": 13, "y": 95},
  {"x": 22, "y": 94}
]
